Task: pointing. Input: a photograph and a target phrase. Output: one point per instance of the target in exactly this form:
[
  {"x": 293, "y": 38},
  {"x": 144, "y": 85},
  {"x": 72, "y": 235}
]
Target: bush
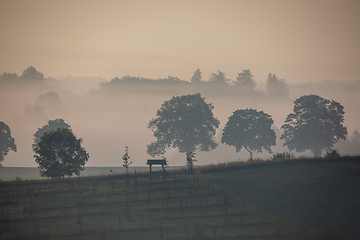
[
  {"x": 282, "y": 156},
  {"x": 333, "y": 153}
]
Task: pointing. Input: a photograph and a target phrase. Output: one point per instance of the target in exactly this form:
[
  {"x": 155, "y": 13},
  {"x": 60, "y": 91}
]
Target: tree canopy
[
  {"x": 277, "y": 87},
  {"x": 8, "y": 77},
  {"x": 196, "y": 77},
  {"x": 32, "y": 74},
  {"x": 184, "y": 122},
  {"x": 249, "y": 129},
  {"x": 51, "y": 125},
  {"x": 49, "y": 100},
  {"x": 245, "y": 80},
  {"x": 316, "y": 124},
  {"x": 218, "y": 77},
  {"x": 59, "y": 153},
  {"x": 7, "y": 142}
]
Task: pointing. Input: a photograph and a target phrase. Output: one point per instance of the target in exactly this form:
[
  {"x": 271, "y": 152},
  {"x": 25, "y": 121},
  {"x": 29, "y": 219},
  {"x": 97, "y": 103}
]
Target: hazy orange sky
[{"x": 298, "y": 40}]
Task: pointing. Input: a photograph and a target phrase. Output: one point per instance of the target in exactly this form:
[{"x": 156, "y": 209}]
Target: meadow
[{"x": 297, "y": 199}]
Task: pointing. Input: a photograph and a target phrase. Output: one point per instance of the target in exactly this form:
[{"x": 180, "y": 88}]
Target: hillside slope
[
  {"x": 300, "y": 199},
  {"x": 320, "y": 196}
]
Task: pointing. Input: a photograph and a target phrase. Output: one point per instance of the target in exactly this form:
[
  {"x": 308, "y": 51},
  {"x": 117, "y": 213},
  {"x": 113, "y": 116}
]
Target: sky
[
  {"x": 300, "y": 41},
  {"x": 313, "y": 45}
]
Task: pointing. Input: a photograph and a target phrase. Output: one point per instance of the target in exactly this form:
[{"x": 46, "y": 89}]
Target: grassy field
[
  {"x": 321, "y": 196},
  {"x": 299, "y": 199}
]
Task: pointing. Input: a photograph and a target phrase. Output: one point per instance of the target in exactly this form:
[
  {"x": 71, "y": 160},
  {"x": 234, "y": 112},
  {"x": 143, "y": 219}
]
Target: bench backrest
[{"x": 156, "y": 162}]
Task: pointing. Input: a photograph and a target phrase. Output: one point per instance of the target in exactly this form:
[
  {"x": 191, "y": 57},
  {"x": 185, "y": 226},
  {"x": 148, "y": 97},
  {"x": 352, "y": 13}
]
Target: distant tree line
[
  {"x": 30, "y": 74},
  {"x": 244, "y": 81},
  {"x": 187, "y": 122}
]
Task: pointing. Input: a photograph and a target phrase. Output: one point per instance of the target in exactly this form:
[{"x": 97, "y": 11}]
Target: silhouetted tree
[
  {"x": 8, "y": 77},
  {"x": 184, "y": 122},
  {"x": 171, "y": 79},
  {"x": 51, "y": 125},
  {"x": 315, "y": 124},
  {"x": 7, "y": 142},
  {"x": 355, "y": 136},
  {"x": 190, "y": 158},
  {"x": 218, "y": 77},
  {"x": 245, "y": 80},
  {"x": 351, "y": 144},
  {"x": 45, "y": 102},
  {"x": 196, "y": 77},
  {"x": 126, "y": 158},
  {"x": 355, "y": 141},
  {"x": 49, "y": 99},
  {"x": 59, "y": 153},
  {"x": 276, "y": 87},
  {"x": 249, "y": 129},
  {"x": 333, "y": 153},
  {"x": 32, "y": 74}
]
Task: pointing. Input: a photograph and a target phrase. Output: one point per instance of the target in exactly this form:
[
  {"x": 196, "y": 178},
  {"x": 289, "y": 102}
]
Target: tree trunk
[
  {"x": 251, "y": 154},
  {"x": 189, "y": 162},
  {"x": 190, "y": 167}
]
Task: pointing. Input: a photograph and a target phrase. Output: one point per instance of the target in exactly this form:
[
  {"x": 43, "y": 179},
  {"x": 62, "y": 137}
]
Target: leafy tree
[
  {"x": 32, "y": 74},
  {"x": 218, "y": 78},
  {"x": 245, "y": 80},
  {"x": 276, "y": 87},
  {"x": 8, "y": 77},
  {"x": 184, "y": 122},
  {"x": 196, "y": 78},
  {"x": 249, "y": 129},
  {"x": 60, "y": 153},
  {"x": 190, "y": 158},
  {"x": 315, "y": 124},
  {"x": 7, "y": 142},
  {"x": 51, "y": 125}
]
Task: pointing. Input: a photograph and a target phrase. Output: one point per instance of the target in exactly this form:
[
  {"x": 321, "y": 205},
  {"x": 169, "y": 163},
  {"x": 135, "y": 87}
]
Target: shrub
[
  {"x": 333, "y": 153},
  {"x": 282, "y": 156}
]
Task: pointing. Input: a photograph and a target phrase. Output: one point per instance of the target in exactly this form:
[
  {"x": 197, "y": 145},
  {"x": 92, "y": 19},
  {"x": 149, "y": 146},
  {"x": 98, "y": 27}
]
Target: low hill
[
  {"x": 321, "y": 196},
  {"x": 299, "y": 199}
]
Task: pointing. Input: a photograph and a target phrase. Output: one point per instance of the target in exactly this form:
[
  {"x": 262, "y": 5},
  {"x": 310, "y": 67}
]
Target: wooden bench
[{"x": 151, "y": 162}]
